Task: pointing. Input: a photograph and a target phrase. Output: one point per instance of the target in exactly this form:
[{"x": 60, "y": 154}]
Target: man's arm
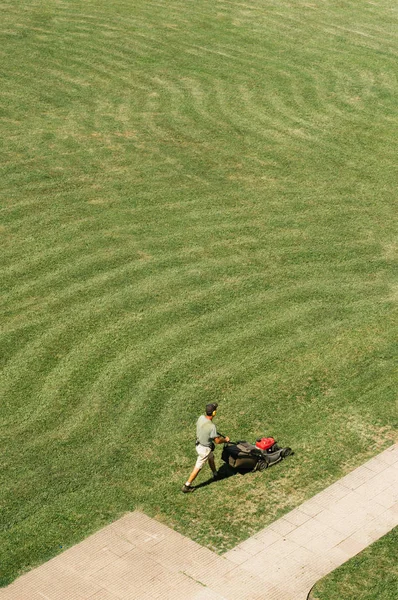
[{"x": 221, "y": 439}]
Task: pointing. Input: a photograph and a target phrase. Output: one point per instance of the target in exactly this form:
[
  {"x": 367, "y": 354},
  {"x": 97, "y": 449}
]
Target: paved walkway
[{"x": 137, "y": 558}]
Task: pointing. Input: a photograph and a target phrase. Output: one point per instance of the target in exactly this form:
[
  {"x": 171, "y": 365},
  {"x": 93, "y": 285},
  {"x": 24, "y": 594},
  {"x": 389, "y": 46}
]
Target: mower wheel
[
  {"x": 286, "y": 452},
  {"x": 262, "y": 465}
]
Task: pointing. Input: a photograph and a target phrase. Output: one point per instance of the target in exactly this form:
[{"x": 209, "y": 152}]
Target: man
[{"x": 206, "y": 436}]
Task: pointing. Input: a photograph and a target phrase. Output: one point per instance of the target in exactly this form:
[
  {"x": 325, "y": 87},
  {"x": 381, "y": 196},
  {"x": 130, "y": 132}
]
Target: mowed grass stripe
[
  {"x": 79, "y": 419},
  {"x": 200, "y": 206},
  {"x": 243, "y": 327},
  {"x": 93, "y": 274}
]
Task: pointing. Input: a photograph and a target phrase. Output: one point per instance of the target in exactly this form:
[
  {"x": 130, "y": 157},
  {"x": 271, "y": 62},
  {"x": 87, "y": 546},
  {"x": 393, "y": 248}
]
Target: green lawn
[
  {"x": 372, "y": 575},
  {"x": 199, "y": 203}
]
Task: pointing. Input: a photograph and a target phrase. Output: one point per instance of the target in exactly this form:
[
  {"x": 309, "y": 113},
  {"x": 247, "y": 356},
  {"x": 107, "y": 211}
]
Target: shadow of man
[{"x": 224, "y": 472}]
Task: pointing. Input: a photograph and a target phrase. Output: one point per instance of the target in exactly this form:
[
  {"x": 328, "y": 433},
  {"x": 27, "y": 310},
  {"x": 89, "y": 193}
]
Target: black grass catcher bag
[{"x": 247, "y": 457}]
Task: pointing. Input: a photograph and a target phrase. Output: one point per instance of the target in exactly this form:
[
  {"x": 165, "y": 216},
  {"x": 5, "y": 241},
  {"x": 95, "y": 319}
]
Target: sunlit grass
[{"x": 198, "y": 204}]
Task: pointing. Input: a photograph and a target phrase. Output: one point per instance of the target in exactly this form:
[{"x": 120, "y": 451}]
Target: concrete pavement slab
[
  {"x": 306, "y": 531},
  {"x": 296, "y": 517},
  {"x": 390, "y": 456},
  {"x": 354, "y": 479},
  {"x": 253, "y": 546},
  {"x": 322, "y": 543},
  {"x": 267, "y": 537},
  {"x": 351, "y": 546},
  {"x": 283, "y": 526},
  {"x": 238, "y": 556},
  {"x": 311, "y": 507},
  {"x": 103, "y": 595}
]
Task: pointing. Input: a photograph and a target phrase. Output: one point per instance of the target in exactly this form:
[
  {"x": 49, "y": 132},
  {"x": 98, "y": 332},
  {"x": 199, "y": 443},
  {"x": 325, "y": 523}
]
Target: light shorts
[{"x": 204, "y": 453}]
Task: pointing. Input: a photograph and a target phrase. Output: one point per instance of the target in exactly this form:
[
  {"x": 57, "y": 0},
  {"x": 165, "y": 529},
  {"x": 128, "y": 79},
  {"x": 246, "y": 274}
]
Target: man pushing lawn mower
[
  {"x": 206, "y": 437},
  {"x": 240, "y": 456}
]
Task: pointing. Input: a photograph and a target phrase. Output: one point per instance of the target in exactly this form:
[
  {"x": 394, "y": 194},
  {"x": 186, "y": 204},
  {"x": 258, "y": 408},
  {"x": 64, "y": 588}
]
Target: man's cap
[{"x": 210, "y": 408}]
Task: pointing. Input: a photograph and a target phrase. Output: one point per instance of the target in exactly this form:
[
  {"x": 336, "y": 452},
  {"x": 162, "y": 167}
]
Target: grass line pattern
[{"x": 198, "y": 203}]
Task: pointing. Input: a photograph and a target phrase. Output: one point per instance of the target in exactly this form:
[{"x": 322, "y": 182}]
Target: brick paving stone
[
  {"x": 388, "y": 518},
  {"x": 141, "y": 576},
  {"x": 208, "y": 594},
  {"x": 327, "y": 517},
  {"x": 105, "y": 538},
  {"x": 308, "y": 530},
  {"x": 302, "y": 557},
  {"x": 375, "y": 509},
  {"x": 205, "y": 573},
  {"x": 383, "y": 480},
  {"x": 324, "y": 542},
  {"x": 351, "y": 546},
  {"x": 135, "y": 559},
  {"x": 267, "y": 537},
  {"x": 252, "y": 546},
  {"x": 237, "y": 555},
  {"x": 261, "y": 564},
  {"x": 174, "y": 557},
  {"x": 242, "y": 585},
  {"x": 390, "y": 456},
  {"x": 293, "y": 578},
  {"x": 335, "y": 557},
  {"x": 296, "y": 517},
  {"x": 205, "y": 557},
  {"x": 103, "y": 595},
  {"x": 311, "y": 507},
  {"x": 118, "y": 587},
  {"x": 56, "y": 583},
  {"x": 282, "y": 526},
  {"x": 86, "y": 563},
  {"x": 290, "y": 592},
  {"x": 350, "y": 504},
  {"x": 332, "y": 494},
  {"x": 186, "y": 589},
  {"x": 348, "y": 524},
  {"x": 143, "y": 532},
  {"x": 298, "y": 588},
  {"x": 357, "y": 478},
  {"x": 370, "y": 490},
  {"x": 17, "y": 592},
  {"x": 371, "y": 532},
  {"x": 282, "y": 548},
  {"x": 166, "y": 582},
  {"x": 375, "y": 464},
  {"x": 393, "y": 468},
  {"x": 358, "y": 507},
  {"x": 336, "y": 491},
  {"x": 326, "y": 562}
]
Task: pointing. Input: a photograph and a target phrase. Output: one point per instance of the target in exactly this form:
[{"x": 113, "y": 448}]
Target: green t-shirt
[{"x": 205, "y": 431}]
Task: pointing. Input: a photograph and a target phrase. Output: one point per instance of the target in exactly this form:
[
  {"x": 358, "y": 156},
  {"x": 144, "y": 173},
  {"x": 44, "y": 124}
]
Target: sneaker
[
  {"x": 216, "y": 476},
  {"x": 187, "y": 488}
]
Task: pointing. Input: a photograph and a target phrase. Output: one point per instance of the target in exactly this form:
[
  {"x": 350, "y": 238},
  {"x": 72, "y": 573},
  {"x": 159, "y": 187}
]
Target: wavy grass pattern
[{"x": 198, "y": 204}]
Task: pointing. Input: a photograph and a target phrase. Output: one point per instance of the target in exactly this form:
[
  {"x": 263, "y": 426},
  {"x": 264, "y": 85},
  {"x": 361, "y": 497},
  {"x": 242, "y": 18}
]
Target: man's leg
[
  {"x": 212, "y": 464},
  {"x": 187, "y": 487},
  {"x": 193, "y": 475},
  {"x": 203, "y": 455}
]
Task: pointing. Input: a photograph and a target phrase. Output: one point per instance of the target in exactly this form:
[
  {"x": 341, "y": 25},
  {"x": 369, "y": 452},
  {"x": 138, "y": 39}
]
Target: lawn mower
[{"x": 244, "y": 456}]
